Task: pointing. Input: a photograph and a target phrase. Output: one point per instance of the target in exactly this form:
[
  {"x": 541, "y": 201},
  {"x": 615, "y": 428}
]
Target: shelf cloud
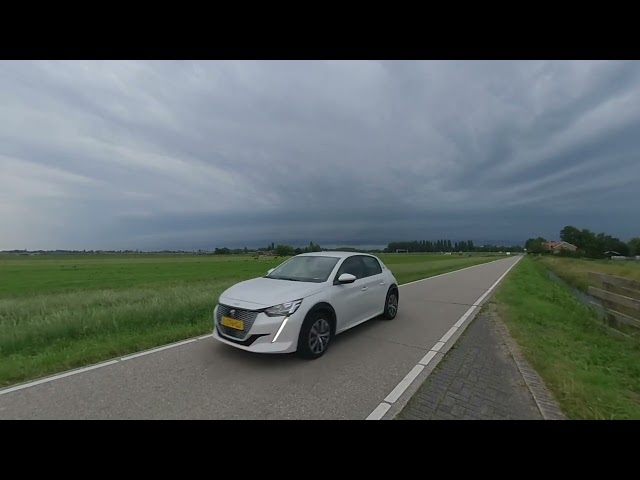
[{"x": 204, "y": 154}]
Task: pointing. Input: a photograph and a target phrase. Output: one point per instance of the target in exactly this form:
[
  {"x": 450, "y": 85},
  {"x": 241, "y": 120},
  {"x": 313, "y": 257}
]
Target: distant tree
[
  {"x": 284, "y": 250},
  {"x": 535, "y": 245},
  {"x": 574, "y": 236},
  {"x": 593, "y": 245},
  {"x": 634, "y": 246},
  {"x": 607, "y": 243}
]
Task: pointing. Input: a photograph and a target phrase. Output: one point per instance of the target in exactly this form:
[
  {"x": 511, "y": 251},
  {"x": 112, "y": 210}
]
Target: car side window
[
  {"x": 372, "y": 266},
  {"x": 354, "y": 266}
]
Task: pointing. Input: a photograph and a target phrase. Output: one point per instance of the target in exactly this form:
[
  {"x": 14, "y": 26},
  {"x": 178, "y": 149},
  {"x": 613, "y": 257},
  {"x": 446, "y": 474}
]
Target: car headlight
[{"x": 287, "y": 308}]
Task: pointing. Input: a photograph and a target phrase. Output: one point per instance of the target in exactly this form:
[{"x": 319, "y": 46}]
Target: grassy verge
[
  {"x": 62, "y": 313},
  {"x": 576, "y": 271},
  {"x": 411, "y": 268},
  {"x": 593, "y": 375}
]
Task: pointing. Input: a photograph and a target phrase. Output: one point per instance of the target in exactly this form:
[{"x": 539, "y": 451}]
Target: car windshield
[{"x": 305, "y": 269}]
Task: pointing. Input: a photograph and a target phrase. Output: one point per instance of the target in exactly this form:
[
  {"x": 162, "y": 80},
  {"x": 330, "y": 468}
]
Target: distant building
[{"x": 557, "y": 247}]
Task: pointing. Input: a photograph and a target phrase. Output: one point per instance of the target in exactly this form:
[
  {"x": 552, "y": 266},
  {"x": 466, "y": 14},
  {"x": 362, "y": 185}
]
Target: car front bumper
[{"x": 261, "y": 337}]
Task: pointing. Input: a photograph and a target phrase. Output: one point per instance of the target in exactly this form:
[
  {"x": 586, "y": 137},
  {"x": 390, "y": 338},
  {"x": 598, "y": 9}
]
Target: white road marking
[
  {"x": 96, "y": 366},
  {"x": 56, "y": 377},
  {"x": 452, "y": 271},
  {"x": 427, "y": 358},
  {"x": 459, "y": 323},
  {"x": 415, "y": 371},
  {"x": 205, "y": 336},
  {"x": 147, "y": 352},
  {"x": 379, "y": 412},
  {"x": 449, "y": 334},
  {"x": 404, "y": 383},
  {"x": 479, "y": 301}
]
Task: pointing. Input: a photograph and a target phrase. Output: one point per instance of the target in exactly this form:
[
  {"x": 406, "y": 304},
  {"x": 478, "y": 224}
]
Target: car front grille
[{"x": 247, "y": 316}]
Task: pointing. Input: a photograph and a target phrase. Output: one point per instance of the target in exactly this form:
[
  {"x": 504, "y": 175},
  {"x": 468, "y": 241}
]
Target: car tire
[
  {"x": 315, "y": 335},
  {"x": 391, "y": 304}
]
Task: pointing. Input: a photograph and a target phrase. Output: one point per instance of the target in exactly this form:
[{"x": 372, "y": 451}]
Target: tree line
[
  {"x": 589, "y": 244},
  {"x": 416, "y": 246},
  {"x": 279, "y": 250},
  {"x": 426, "y": 246}
]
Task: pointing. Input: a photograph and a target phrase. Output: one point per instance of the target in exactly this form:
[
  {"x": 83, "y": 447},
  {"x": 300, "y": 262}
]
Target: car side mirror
[
  {"x": 346, "y": 278},
  {"x": 270, "y": 270}
]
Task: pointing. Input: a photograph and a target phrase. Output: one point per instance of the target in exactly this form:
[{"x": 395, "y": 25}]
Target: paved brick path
[{"x": 477, "y": 379}]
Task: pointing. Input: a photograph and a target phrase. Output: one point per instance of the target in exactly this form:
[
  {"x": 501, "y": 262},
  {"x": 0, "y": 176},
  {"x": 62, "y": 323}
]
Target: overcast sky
[{"x": 155, "y": 155}]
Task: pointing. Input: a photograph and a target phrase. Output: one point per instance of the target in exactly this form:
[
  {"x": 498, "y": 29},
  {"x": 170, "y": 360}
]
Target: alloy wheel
[
  {"x": 319, "y": 336},
  {"x": 392, "y": 305}
]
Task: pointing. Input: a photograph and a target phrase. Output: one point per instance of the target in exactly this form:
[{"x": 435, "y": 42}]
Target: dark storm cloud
[{"x": 202, "y": 154}]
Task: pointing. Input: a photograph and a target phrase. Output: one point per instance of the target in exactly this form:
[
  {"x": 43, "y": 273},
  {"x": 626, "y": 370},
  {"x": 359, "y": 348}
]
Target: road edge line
[
  {"x": 95, "y": 366},
  {"x": 453, "y": 271},
  {"x": 434, "y": 356}
]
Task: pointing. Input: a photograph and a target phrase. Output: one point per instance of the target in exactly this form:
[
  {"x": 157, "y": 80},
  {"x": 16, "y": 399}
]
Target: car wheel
[
  {"x": 391, "y": 305},
  {"x": 315, "y": 335}
]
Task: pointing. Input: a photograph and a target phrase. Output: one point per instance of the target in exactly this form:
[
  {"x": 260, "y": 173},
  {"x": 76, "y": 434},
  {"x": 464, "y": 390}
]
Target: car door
[
  {"x": 349, "y": 300},
  {"x": 374, "y": 285}
]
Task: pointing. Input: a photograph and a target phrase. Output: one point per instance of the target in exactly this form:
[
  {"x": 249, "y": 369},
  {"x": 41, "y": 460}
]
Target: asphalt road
[{"x": 208, "y": 380}]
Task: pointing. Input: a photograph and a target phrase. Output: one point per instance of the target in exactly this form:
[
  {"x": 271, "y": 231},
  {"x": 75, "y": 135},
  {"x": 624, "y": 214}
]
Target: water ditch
[{"x": 592, "y": 303}]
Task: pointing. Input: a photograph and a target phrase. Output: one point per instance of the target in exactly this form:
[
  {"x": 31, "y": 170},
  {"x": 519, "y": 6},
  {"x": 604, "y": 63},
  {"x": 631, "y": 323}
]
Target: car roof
[{"x": 332, "y": 254}]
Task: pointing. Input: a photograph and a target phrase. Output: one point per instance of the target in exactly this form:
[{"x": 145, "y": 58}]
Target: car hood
[{"x": 267, "y": 292}]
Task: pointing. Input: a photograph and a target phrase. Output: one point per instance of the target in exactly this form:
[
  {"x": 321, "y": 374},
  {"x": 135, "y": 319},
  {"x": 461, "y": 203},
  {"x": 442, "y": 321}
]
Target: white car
[{"x": 302, "y": 304}]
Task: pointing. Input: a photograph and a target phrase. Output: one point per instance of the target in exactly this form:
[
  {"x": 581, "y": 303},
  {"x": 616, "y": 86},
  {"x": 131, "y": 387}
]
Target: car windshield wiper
[{"x": 290, "y": 279}]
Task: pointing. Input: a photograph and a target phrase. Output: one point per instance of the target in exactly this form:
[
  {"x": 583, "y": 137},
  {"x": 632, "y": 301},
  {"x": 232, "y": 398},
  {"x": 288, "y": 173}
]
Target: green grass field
[
  {"x": 62, "y": 312},
  {"x": 575, "y": 271},
  {"x": 592, "y": 374}
]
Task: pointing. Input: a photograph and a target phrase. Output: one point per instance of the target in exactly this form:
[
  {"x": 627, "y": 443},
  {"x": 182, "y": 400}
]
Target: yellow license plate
[{"x": 233, "y": 323}]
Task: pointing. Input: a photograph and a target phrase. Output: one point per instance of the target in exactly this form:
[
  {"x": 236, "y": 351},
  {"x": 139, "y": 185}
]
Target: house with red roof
[{"x": 556, "y": 247}]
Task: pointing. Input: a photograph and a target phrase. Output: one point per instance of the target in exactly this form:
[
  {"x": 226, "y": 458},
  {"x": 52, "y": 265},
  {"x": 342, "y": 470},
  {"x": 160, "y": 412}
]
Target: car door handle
[
  {"x": 382, "y": 283},
  {"x": 364, "y": 288}
]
